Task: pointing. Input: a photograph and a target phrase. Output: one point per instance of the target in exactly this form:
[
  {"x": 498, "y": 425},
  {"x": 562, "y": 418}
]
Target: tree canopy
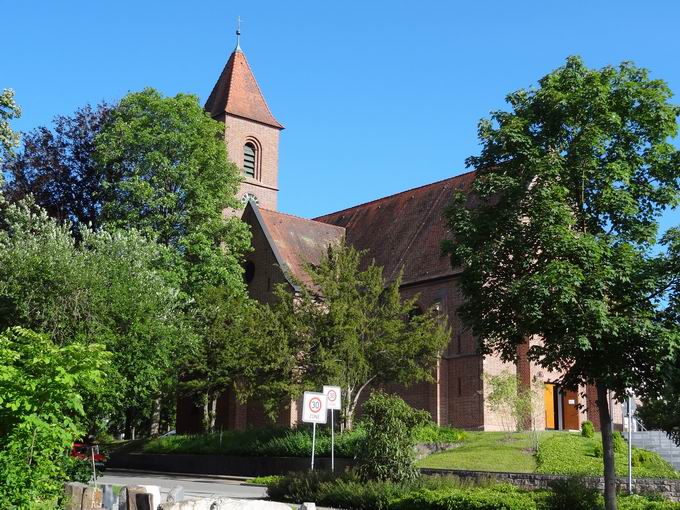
[
  {"x": 57, "y": 167},
  {"x": 350, "y": 328},
  {"x": 8, "y": 110},
  {"x": 168, "y": 177},
  {"x": 561, "y": 244},
  {"x": 108, "y": 289}
]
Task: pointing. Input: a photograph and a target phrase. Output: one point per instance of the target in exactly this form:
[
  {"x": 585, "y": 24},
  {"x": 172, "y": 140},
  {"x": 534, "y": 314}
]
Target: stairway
[{"x": 657, "y": 441}]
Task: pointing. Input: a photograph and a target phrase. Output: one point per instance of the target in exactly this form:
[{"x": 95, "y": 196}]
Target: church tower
[{"x": 251, "y": 131}]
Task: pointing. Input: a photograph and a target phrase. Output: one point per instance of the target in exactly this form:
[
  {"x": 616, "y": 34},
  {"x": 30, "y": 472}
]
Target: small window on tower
[{"x": 249, "y": 159}]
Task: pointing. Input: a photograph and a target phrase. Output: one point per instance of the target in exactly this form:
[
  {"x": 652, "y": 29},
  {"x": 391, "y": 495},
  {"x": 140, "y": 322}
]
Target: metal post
[
  {"x": 332, "y": 443},
  {"x": 313, "y": 442},
  {"x": 630, "y": 447},
  {"x": 94, "y": 469}
]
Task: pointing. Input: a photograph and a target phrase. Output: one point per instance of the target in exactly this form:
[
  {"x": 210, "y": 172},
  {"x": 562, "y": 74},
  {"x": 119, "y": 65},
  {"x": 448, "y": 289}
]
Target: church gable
[{"x": 282, "y": 245}]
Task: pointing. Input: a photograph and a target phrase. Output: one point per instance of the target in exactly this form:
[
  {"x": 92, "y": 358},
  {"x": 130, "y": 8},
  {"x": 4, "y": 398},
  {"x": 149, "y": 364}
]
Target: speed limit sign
[
  {"x": 314, "y": 407},
  {"x": 333, "y": 396}
]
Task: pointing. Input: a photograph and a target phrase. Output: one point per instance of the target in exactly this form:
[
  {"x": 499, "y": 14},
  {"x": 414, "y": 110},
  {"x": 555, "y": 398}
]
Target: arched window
[{"x": 249, "y": 159}]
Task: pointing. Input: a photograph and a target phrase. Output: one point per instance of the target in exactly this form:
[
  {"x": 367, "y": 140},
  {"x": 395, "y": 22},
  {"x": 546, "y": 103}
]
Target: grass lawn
[
  {"x": 488, "y": 451},
  {"x": 559, "y": 453}
]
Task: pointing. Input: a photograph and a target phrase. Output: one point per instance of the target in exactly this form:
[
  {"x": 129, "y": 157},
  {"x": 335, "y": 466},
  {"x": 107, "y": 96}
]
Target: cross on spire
[{"x": 238, "y": 33}]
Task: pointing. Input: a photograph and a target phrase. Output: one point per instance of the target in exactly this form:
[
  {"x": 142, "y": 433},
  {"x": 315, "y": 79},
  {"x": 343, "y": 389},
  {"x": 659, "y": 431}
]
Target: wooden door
[
  {"x": 549, "y": 403},
  {"x": 570, "y": 410}
]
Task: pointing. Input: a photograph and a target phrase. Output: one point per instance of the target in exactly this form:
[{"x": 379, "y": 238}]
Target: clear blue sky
[{"x": 377, "y": 97}]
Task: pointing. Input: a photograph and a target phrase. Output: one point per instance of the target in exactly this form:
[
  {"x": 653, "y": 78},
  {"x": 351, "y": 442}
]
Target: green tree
[
  {"x": 560, "y": 242},
  {"x": 226, "y": 325},
  {"x": 8, "y": 111},
  {"x": 353, "y": 329},
  {"x": 168, "y": 177},
  {"x": 388, "y": 451},
  {"x": 41, "y": 412},
  {"x": 96, "y": 291},
  {"x": 56, "y": 165}
]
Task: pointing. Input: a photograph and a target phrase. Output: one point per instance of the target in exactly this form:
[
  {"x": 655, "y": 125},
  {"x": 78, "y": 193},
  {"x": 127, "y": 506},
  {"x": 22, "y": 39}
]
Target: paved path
[{"x": 194, "y": 485}]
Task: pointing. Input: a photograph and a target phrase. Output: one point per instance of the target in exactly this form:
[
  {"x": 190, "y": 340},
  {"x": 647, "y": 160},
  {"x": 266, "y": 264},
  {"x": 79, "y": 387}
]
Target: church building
[{"x": 401, "y": 232}]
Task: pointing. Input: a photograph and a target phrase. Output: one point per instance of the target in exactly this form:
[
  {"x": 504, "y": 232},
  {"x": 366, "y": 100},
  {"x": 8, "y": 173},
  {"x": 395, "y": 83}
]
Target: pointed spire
[
  {"x": 237, "y": 92},
  {"x": 238, "y": 34}
]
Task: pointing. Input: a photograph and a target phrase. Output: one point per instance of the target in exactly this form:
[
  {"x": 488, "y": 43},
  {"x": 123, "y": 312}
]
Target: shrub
[
  {"x": 492, "y": 498},
  {"x": 620, "y": 444},
  {"x": 588, "y": 429},
  {"x": 388, "y": 450},
  {"x": 573, "y": 494},
  {"x": 431, "y": 433},
  {"x": 299, "y": 487}
]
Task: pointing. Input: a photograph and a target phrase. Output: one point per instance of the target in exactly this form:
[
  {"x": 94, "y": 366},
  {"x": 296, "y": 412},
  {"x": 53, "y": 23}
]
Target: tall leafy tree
[
  {"x": 56, "y": 166},
  {"x": 561, "y": 242},
  {"x": 226, "y": 323},
  {"x": 350, "y": 328},
  {"x": 97, "y": 290},
  {"x": 8, "y": 110},
  {"x": 168, "y": 177}
]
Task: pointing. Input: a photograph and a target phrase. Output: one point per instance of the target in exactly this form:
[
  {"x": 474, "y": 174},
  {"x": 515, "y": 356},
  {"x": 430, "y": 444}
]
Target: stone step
[{"x": 659, "y": 442}]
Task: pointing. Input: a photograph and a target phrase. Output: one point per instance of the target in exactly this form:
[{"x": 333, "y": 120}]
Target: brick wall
[{"x": 265, "y": 185}]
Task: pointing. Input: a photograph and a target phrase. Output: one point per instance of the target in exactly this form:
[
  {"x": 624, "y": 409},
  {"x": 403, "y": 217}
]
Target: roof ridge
[
  {"x": 395, "y": 194},
  {"x": 299, "y": 217}
]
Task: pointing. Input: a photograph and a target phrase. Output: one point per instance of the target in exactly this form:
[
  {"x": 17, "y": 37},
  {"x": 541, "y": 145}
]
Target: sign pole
[
  {"x": 313, "y": 442},
  {"x": 332, "y": 443},
  {"x": 630, "y": 446}
]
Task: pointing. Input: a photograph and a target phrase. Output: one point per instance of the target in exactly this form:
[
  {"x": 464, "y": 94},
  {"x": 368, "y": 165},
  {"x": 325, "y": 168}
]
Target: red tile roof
[
  {"x": 404, "y": 230},
  {"x": 299, "y": 241},
  {"x": 237, "y": 93}
]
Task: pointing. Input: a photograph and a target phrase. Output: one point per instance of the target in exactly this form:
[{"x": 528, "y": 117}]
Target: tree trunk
[
  {"x": 213, "y": 413},
  {"x": 155, "y": 417},
  {"x": 607, "y": 448},
  {"x": 129, "y": 429}
]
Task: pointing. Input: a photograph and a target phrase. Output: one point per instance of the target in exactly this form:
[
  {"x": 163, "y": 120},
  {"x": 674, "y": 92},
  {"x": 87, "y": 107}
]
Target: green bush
[
  {"x": 492, "y": 498},
  {"x": 272, "y": 441},
  {"x": 388, "y": 450},
  {"x": 573, "y": 494},
  {"x": 588, "y": 429},
  {"x": 620, "y": 444},
  {"x": 299, "y": 487},
  {"x": 431, "y": 433},
  {"x": 350, "y": 492}
]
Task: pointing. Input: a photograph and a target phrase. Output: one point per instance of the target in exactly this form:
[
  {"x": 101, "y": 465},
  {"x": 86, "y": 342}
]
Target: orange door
[
  {"x": 549, "y": 403},
  {"x": 570, "y": 410}
]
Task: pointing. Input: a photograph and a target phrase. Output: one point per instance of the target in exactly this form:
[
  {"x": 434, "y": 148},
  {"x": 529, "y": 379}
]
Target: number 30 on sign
[{"x": 314, "y": 407}]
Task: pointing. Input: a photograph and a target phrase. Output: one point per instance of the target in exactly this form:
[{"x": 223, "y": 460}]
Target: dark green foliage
[
  {"x": 388, "y": 450},
  {"x": 56, "y": 166},
  {"x": 365, "y": 334},
  {"x": 78, "y": 470},
  {"x": 573, "y": 494},
  {"x": 587, "y": 429},
  {"x": 493, "y": 498},
  {"x": 276, "y": 442},
  {"x": 563, "y": 243},
  {"x": 299, "y": 487},
  {"x": 348, "y": 491}
]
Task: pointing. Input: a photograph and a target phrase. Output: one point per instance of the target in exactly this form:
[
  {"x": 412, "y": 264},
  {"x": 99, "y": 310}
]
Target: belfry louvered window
[{"x": 249, "y": 159}]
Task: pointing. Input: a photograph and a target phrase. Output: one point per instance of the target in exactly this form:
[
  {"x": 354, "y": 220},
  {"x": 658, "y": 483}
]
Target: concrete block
[
  {"x": 73, "y": 492},
  {"x": 92, "y": 498}
]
